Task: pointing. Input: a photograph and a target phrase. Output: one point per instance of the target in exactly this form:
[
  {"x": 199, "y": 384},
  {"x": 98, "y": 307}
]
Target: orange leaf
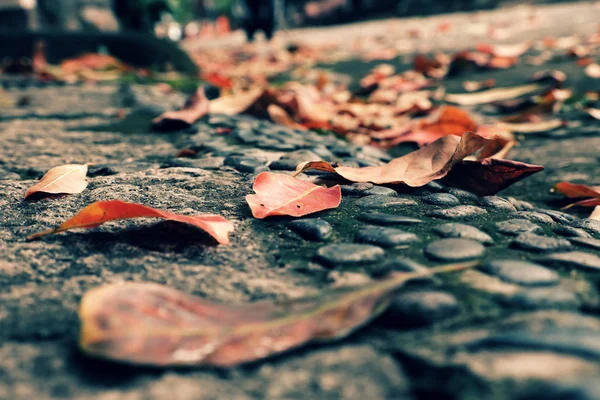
[
  {"x": 68, "y": 178},
  {"x": 194, "y": 108},
  {"x": 235, "y": 103},
  {"x": 414, "y": 169},
  {"x": 279, "y": 194},
  {"x": 104, "y": 211}
]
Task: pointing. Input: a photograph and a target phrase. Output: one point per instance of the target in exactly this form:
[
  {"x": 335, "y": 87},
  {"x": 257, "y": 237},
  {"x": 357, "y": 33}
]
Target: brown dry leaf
[
  {"x": 69, "y": 179},
  {"x": 280, "y": 116},
  {"x": 100, "y": 212},
  {"x": 151, "y": 324},
  {"x": 195, "y": 107},
  {"x": 280, "y": 194},
  {"x": 418, "y": 168},
  {"x": 236, "y": 103},
  {"x": 595, "y": 214},
  {"x": 594, "y": 112}
]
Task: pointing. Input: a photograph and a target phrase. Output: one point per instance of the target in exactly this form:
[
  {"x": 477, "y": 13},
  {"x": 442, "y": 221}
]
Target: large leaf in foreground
[
  {"x": 195, "y": 107},
  {"x": 414, "y": 169},
  {"x": 104, "y": 211},
  {"x": 489, "y": 176},
  {"x": 150, "y": 324},
  {"x": 589, "y": 195},
  {"x": 68, "y": 178},
  {"x": 280, "y": 194}
]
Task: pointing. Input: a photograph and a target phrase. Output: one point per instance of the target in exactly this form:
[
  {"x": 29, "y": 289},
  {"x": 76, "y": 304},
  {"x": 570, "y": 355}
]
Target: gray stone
[
  {"x": 456, "y": 230},
  {"x": 544, "y": 297},
  {"x": 517, "y": 226},
  {"x": 536, "y": 217},
  {"x": 380, "y": 191},
  {"x": 558, "y": 216},
  {"x": 586, "y": 242},
  {"x": 458, "y": 212},
  {"x": 434, "y": 186},
  {"x": 441, "y": 199},
  {"x": 533, "y": 242},
  {"x": 454, "y": 250},
  {"x": 497, "y": 203},
  {"x": 398, "y": 264},
  {"x": 377, "y": 202},
  {"x": 356, "y": 189},
  {"x": 283, "y": 165},
  {"x": 521, "y": 272},
  {"x": 385, "y": 237},
  {"x": 422, "y": 308},
  {"x": 588, "y": 224},
  {"x": 576, "y": 259},
  {"x": 388, "y": 219},
  {"x": 521, "y": 205},
  {"x": 312, "y": 228},
  {"x": 463, "y": 195},
  {"x": 244, "y": 164},
  {"x": 349, "y": 254},
  {"x": 571, "y": 232}
]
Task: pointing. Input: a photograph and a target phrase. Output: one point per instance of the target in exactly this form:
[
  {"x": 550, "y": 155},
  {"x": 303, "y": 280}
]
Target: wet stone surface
[
  {"x": 521, "y": 272},
  {"x": 385, "y": 237},
  {"x": 454, "y": 250},
  {"x": 524, "y": 324},
  {"x": 456, "y": 230}
]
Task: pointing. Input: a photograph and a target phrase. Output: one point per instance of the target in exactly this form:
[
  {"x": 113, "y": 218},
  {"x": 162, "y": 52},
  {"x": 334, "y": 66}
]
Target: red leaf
[
  {"x": 572, "y": 190},
  {"x": 194, "y": 108},
  {"x": 279, "y": 194},
  {"x": 68, "y": 178},
  {"x": 489, "y": 176},
  {"x": 104, "y": 211},
  {"x": 150, "y": 324}
]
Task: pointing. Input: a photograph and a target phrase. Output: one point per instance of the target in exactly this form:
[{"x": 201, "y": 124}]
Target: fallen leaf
[
  {"x": 415, "y": 169},
  {"x": 68, "y": 179},
  {"x": 595, "y": 214},
  {"x": 280, "y": 116},
  {"x": 195, "y": 107},
  {"x": 535, "y": 127},
  {"x": 151, "y": 324},
  {"x": 235, "y": 103},
  {"x": 280, "y": 194},
  {"x": 593, "y": 71},
  {"x": 100, "y": 212},
  {"x": 590, "y": 195},
  {"x": 448, "y": 120},
  {"x": 594, "y": 112},
  {"x": 489, "y": 176},
  {"x": 504, "y": 50},
  {"x": 492, "y": 95}
]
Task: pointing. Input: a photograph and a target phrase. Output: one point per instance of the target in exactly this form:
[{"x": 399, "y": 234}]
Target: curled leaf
[
  {"x": 194, "y": 108},
  {"x": 68, "y": 179},
  {"x": 418, "y": 168},
  {"x": 590, "y": 195},
  {"x": 100, "y": 212},
  {"x": 492, "y": 95},
  {"x": 489, "y": 176},
  {"x": 151, "y": 324},
  {"x": 280, "y": 194},
  {"x": 534, "y": 127}
]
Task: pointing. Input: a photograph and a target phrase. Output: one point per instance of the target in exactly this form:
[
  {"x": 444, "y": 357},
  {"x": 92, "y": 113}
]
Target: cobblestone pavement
[{"x": 524, "y": 325}]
